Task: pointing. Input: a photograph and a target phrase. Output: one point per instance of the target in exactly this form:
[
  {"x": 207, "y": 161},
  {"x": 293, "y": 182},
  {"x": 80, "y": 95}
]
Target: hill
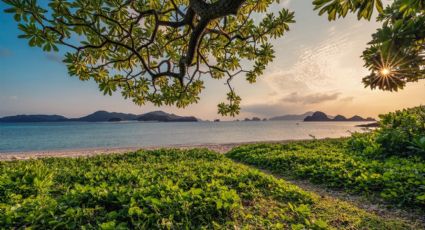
[
  {"x": 103, "y": 116},
  {"x": 33, "y": 118},
  {"x": 165, "y": 117},
  {"x": 321, "y": 116}
]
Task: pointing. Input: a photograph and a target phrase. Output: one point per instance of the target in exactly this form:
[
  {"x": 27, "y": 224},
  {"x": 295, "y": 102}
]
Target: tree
[
  {"x": 396, "y": 54},
  {"x": 157, "y": 51},
  {"x": 161, "y": 51}
]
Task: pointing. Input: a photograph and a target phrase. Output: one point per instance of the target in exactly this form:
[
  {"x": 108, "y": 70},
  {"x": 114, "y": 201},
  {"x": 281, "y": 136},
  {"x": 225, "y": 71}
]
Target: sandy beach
[{"x": 88, "y": 152}]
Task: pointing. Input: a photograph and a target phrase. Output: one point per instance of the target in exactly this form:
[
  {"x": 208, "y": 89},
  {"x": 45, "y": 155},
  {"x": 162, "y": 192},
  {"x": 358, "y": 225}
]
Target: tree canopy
[
  {"x": 396, "y": 53},
  {"x": 161, "y": 51}
]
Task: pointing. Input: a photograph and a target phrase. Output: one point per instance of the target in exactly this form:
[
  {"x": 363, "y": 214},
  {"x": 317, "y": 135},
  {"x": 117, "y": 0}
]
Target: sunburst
[
  {"x": 385, "y": 71},
  {"x": 390, "y": 70}
]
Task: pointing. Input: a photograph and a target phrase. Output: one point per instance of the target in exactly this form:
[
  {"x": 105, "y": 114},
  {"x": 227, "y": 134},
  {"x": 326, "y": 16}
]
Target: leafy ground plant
[
  {"x": 164, "y": 189},
  {"x": 397, "y": 180}
]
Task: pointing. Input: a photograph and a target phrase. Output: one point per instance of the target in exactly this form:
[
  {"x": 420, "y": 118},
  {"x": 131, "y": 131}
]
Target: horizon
[
  {"x": 288, "y": 114},
  {"x": 309, "y": 73}
]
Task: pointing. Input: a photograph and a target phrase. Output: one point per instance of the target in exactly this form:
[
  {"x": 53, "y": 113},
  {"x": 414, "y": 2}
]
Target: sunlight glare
[{"x": 385, "y": 71}]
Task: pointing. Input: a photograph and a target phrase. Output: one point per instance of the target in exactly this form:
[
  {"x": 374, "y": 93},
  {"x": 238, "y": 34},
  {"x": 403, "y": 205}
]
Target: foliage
[
  {"x": 402, "y": 132},
  {"x": 156, "y": 51},
  {"x": 365, "y": 143},
  {"x": 162, "y": 51},
  {"x": 399, "y": 181},
  {"x": 395, "y": 55},
  {"x": 164, "y": 189}
]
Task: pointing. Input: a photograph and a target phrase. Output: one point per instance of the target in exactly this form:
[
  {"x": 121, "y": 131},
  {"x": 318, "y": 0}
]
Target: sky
[{"x": 317, "y": 67}]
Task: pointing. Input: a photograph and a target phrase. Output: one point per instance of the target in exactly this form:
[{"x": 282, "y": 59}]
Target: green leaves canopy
[
  {"x": 396, "y": 54},
  {"x": 162, "y": 51},
  {"x": 156, "y": 51}
]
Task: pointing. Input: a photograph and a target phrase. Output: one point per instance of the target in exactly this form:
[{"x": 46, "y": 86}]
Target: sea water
[{"x": 22, "y": 137}]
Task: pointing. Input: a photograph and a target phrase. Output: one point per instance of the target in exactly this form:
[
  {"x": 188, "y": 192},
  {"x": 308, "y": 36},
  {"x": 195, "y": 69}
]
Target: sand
[{"x": 87, "y": 152}]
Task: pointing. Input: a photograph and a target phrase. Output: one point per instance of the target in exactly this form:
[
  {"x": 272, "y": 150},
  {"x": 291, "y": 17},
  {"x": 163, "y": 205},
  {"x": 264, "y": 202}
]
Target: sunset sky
[{"x": 317, "y": 67}]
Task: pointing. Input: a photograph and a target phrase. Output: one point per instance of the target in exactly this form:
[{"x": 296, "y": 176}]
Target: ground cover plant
[
  {"x": 397, "y": 180},
  {"x": 164, "y": 189}
]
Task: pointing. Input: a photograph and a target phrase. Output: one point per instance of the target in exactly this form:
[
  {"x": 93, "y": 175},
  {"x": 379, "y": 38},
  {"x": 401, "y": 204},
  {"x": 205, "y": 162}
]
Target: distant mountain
[
  {"x": 340, "y": 118},
  {"x": 33, "y": 118},
  {"x": 321, "y": 116},
  {"x": 291, "y": 117},
  {"x": 165, "y": 117},
  {"x": 318, "y": 116},
  {"x": 101, "y": 116},
  {"x": 115, "y": 119},
  {"x": 359, "y": 118}
]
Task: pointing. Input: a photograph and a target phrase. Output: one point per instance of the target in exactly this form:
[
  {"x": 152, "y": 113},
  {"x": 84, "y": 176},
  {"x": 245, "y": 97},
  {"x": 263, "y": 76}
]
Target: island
[
  {"x": 102, "y": 116},
  {"x": 319, "y": 116},
  {"x": 165, "y": 117},
  {"x": 34, "y": 118}
]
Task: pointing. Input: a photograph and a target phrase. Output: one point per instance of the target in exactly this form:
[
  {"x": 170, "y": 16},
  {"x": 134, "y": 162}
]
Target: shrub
[
  {"x": 402, "y": 132},
  {"x": 365, "y": 143}
]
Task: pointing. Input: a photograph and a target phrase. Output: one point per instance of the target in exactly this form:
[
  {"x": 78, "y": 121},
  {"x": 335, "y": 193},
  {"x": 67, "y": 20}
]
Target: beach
[{"x": 88, "y": 152}]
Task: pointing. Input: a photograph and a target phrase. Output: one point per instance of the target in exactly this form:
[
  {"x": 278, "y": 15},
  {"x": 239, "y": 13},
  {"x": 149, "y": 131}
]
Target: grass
[
  {"x": 399, "y": 181},
  {"x": 165, "y": 189}
]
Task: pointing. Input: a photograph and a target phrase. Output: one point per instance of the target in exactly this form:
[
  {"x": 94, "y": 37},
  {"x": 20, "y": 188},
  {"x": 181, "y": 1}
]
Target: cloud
[
  {"x": 5, "y": 52},
  {"x": 294, "y": 103},
  {"x": 13, "y": 98},
  {"x": 54, "y": 57},
  {"x": 314, "y": 98},
  {"x": 347, "y": 99}
]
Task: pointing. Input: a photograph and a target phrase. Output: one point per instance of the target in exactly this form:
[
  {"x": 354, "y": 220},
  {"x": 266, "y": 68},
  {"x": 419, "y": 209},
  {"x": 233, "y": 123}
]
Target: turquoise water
[{"x": 77, "y": 135}]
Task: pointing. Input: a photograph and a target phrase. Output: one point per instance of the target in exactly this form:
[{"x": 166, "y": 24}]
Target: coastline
[{"x": 89, "y": 152}]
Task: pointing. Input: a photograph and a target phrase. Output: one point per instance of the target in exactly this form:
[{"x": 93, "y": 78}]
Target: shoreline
[{"x": 89, "y": 152}]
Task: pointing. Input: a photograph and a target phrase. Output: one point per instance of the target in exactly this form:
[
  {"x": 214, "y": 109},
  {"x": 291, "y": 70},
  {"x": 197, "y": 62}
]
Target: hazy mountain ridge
[
  {"x": 34, "y": 118},
  {"x": 292, "y": 117},
  {"x": 321, "y": 116},
  {"x": 103, "y": 116}
]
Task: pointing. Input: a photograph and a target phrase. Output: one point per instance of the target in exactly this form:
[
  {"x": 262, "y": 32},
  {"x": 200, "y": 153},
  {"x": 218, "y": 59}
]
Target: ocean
[{"x": 24, "y": 137}]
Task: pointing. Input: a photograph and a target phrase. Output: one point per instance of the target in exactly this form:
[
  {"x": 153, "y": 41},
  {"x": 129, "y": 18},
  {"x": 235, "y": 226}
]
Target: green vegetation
[
  {"x": 167, "y": 189},
  {"x": 397, "y": 180},
  {"x": 387, "y": 163},
  {"x": 402, "y": 132},
  {"x": 157, "y": 51},
  {"x": 395, "y": 53},
  {"x": 162, "y": 51}
]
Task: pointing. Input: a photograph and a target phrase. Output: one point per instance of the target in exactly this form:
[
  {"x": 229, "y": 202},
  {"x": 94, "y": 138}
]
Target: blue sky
[{"x": 317, "y": 67}]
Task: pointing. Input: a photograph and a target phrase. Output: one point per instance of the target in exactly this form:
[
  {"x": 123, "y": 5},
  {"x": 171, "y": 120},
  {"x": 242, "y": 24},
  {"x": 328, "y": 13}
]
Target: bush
[
  {"x": 397, "y": 180},
  {"x": 365, "y": 143},
  {"x": 402, "y": 132}
]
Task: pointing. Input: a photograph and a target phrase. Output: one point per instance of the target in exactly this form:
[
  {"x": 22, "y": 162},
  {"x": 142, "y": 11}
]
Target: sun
[{"x": 385, "y": 71}]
